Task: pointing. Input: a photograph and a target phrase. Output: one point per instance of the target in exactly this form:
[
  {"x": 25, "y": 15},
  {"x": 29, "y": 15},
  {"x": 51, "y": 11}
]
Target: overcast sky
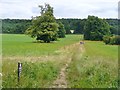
[{"x": 25, "y": 9}]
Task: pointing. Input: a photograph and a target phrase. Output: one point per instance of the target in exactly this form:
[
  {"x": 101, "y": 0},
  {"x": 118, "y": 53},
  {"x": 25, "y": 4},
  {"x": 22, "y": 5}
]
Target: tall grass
[
  {"x": 33, "y": 75},
  {"x": 97, "y": 68},
  {"x": 41, "y": 62}
]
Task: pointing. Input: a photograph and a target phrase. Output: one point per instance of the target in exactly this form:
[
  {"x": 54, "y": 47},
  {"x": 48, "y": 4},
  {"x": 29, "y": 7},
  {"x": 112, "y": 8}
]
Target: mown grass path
[{"x": 61, "y": 81}]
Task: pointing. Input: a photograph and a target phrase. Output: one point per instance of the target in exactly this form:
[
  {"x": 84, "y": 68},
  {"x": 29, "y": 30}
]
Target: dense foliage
[
  {"x": 20, "y": 25},
  {"x": 73, "y": 24},
  {"x": 61, "y": 31},
  {"x": 95, "y": 28},
  {"x": 114, "y": 26},
  {"x": 44, "y": 27},
  {"x": 113, "y": 40},
  {"x": 15, "y": 26}
]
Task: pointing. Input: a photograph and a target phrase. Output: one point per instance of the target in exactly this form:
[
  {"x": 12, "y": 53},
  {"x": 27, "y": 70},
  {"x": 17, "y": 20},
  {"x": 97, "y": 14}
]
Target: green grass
[
  {"x": 100, "y": 49},
  {"x": 34, "y": 75},
  {"x": 98, "y": 67},
  {"x": 40, "y": 61},
  {"x": 21, "y": 45}
]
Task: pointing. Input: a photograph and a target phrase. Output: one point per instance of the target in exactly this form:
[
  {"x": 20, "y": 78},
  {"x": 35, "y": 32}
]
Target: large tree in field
[
  {"x": 44, "y": 27},
  {"x": 95, "y": 28}
]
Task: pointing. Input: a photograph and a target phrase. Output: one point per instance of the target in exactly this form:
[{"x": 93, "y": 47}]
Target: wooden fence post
[{"x": 19, "y": 70}]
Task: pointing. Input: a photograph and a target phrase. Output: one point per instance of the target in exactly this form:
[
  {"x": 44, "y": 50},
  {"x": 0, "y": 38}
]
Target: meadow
[
  {"x": 93, "y": 64},
  {"x": 22, "y": 45},
  {"x": 98, "y": 67},
  {"x": 41, "y": 61}
]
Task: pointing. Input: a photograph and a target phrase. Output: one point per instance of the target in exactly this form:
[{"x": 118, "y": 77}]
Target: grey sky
[{"x": 25, "y": 9}]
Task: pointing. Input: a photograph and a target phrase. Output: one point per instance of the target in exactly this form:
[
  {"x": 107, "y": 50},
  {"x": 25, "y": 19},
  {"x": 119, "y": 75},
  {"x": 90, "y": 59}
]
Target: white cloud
[{"x": 62, "y": 8}]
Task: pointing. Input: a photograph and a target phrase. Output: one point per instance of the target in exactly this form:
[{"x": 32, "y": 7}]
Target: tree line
[
  {"x": 15, "y": 26},
  {"x": 18, "y": 26}
]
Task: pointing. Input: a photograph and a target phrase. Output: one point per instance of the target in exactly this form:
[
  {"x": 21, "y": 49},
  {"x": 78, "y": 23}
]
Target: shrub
[
  {"x": 106, "y": 39},
  {"x": 117, "y": 40},
  {"x": 113, "y": 40}
]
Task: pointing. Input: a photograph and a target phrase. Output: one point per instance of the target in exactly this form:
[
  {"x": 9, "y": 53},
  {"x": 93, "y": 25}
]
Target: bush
[
  {"x": 113, "y": 40},
  {"x": 106, "y": 39}
]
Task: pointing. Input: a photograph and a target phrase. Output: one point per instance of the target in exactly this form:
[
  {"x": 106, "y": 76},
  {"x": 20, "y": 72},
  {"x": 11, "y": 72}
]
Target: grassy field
[
  {"x": 98, "y": 67},
  {"x": 22, "y": 45},
  {"x": 93, "y": 65},
  {"x": 41, "y": 61}
]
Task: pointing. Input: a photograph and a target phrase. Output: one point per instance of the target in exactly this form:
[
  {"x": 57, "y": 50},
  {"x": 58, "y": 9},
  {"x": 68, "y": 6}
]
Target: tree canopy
[
  {"x": 95, "y": 28},
  {"x": 20, "y": 25},
  {"x": 44, "y": 27}
]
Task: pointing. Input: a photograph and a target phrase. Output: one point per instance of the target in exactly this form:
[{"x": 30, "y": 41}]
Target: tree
[
  {"x": 61, "y": 31},
  {"x": 114, "y": 29},
  {"x": 44, "y": 27},
  {"x": 95, "y": 28}
]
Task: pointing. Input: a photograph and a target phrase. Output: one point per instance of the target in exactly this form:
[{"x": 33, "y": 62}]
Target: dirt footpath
[{"x": 61, "y": 81}]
